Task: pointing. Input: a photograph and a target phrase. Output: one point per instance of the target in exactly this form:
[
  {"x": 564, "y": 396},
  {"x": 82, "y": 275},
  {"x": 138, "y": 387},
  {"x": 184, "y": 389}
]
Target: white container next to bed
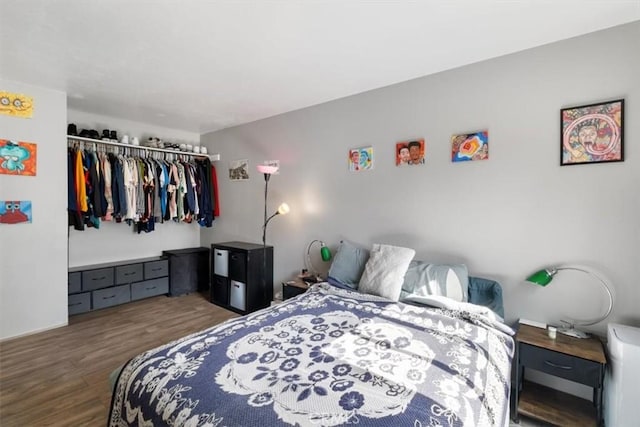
[
  {"x": 221, "y": 262},
  {"x": 237, "y": 295}
]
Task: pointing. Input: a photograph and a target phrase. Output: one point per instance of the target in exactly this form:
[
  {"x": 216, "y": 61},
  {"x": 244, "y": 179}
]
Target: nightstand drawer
[{"x": 561, "y": 365}]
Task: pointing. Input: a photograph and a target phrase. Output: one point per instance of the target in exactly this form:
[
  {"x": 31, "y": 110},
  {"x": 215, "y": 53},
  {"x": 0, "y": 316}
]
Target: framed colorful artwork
[
  {"x": 360, "y": 159},
  {"x": 592, "y": 133},
  {"x": 17, "y": 157},
  {"x": 15, "y": 211},
  {"x": 470, "y": 146},
  {"x": 16, "y": 104},
  {"x": 409, "y": 153}
]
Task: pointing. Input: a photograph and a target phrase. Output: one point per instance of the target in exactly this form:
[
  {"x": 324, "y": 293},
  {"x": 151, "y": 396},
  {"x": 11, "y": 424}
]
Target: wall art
[
  {"x": 592, "y": 133},
  {"x": 239, "y": 170},
  {"x": 410, "y": 153},
  {"x": 15, "y": 212},
  {"x": 16, "y": 104},
  {"x": 17, "y": 157},
  {"x": 470, "y": 146},
  {"x": 360, "y": 159}
]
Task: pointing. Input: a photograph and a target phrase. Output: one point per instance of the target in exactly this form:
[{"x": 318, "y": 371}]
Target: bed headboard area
[{"x": 391, "y": 271}]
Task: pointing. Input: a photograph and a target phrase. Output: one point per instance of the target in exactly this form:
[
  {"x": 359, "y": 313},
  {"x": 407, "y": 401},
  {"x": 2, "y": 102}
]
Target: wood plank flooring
[{"x": 61, "y": 377}]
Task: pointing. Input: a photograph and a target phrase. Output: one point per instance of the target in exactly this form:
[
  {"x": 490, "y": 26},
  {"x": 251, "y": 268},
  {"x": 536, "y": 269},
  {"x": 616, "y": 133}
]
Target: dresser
[
  {"x": 579, "y": 360},
  {"x": 242, "y": 276},
  {"x": 97, "y": 286}
]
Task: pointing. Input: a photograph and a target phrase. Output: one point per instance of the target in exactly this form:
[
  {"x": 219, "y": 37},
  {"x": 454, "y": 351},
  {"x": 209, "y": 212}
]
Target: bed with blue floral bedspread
[{"x": 327, "y": 357}]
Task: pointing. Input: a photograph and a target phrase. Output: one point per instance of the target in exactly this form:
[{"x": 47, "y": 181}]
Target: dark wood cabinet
[
  {"x": 242, "y": 276},
  {"x": 188, "y": 270}
]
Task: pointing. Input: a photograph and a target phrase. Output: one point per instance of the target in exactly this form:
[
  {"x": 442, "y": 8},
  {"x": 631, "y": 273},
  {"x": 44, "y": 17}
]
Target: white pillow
[{"x": 384, "y": 272}]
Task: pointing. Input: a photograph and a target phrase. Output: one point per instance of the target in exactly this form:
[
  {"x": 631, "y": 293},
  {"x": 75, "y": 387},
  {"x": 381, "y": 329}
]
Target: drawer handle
[
  {"x": 99, "y": 278},
  {"x": 130, "y": 274},
  {"x": 554, "y": 365},
  {"x": 156, "y": 269},
  {"x": 148, "y": 289},
  {"x": 75, "y": 303},
  {"x": 112, "y": 296}
]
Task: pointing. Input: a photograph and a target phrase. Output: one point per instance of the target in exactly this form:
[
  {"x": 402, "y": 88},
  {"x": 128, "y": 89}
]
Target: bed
[{"x": 328, "y": 357}]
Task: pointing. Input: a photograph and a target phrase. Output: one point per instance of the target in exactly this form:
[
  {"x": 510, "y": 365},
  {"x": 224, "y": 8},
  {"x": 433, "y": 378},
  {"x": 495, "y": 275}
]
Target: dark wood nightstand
[
  {"x": 579, "y": 360},
  {"x": 293, "y": 287}
]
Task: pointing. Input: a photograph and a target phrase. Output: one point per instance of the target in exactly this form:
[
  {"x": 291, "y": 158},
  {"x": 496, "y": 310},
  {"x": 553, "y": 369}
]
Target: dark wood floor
[{"x": 61, "y": 377}]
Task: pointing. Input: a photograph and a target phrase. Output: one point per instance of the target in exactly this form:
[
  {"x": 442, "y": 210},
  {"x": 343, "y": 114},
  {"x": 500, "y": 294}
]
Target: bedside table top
[
  {"x": 587, "y": 348},
  {"x": 298, "y": 283}
]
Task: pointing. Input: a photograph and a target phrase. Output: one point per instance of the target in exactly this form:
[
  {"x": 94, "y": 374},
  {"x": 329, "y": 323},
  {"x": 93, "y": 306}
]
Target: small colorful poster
[
  {"x": 17, "y": 157},
  {"x": 239, "y": 170},
  {"x": 15, "y": 212},
  {"x": 410, "y": 153},
  {"x": 360, "y": 159},
  {"x": 16, "y": 104},
  {"x": 470, "y": 146}
]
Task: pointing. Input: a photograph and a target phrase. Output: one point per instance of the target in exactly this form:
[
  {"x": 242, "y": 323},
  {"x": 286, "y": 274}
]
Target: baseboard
[{"x": 36, "y": 331}]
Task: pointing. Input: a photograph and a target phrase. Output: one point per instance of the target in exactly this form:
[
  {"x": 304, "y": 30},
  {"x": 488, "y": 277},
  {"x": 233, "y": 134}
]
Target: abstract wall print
[
  {"x": 17, "y": 157},
  {"x": 239, "y": 170},
  {"x": 360, "y": 159},
  {"x": 16, "y": 104},
  {"x": 410, "y": 152},
  {"x": 15, "y": 212},
  {"x": 592, "y": 133},
  {"x": 470, "y": 146}
]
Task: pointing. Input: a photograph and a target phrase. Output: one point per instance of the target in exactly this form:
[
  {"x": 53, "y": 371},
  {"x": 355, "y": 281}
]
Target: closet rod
[{"x": 212, "y": 157}]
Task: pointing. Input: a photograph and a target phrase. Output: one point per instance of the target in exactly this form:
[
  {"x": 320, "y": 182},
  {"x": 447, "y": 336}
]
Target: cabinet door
[
  {"x": 238, "y": 266},
  {"x": 220, "y": 290}
]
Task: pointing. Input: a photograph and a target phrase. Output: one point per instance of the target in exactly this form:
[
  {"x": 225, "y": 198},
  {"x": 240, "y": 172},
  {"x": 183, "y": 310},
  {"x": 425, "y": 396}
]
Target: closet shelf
[{"x": 212, "y": 157}]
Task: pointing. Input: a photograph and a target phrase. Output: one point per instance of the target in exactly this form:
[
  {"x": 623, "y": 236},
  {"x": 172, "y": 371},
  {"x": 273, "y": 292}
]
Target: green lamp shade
[
  {"x": 325, "y": 253},
  {"x": 542, "y": 278}
]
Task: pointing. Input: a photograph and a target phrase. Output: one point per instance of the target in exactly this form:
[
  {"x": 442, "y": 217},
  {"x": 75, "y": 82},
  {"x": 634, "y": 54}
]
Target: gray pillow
[
  {"x": 348, "y": 264},
  {"x": 385, "y": 270},
  {"x": 449, "y": 280}
]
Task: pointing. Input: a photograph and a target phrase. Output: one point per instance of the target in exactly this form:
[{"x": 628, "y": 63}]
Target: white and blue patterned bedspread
[{"x": 328, "y": 357}]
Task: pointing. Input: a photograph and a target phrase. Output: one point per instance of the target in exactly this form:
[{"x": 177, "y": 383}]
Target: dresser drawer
[
  {"x": 128, "y": 273},
  {"x": 561, "y": 365},
  {"x": 112, "y": 296},
  {"x": 156, "y": 269},
  {"x": 96, "y": 279},
  {"x": 79, "y": 303},
  {"x": 149, "y": 288},
  {"x": 75, "y": 282}
]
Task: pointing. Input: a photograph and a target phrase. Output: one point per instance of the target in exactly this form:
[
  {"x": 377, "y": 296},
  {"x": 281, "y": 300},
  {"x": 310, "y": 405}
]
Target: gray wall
[
  {"x": 33, "y": 257},
  {"x": 505, "y": 217}
]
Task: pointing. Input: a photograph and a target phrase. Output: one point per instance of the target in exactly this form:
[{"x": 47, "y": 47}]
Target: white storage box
[
  {"x": 221, "y": 262},
  {"x": 237, "y": 298}
]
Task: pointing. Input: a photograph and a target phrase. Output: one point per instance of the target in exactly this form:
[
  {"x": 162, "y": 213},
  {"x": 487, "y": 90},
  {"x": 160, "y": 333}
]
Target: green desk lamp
[{"x": 545, "y": 276}]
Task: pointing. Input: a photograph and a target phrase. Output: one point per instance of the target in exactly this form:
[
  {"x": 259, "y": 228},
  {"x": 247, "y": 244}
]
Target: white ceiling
[{"x": 205, "y": 65}]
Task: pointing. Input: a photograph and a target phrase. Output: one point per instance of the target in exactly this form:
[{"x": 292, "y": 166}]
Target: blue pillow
[
  {"x": 348, "y": 264},
  {"x": 487, "y": 293},
  {"x": 449, "y": 280}
]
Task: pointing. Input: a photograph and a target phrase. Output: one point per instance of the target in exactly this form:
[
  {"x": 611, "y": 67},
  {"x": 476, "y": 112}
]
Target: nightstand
[
  {"x": 293, "y": 287},
  {"x": 579, "y": 360}
]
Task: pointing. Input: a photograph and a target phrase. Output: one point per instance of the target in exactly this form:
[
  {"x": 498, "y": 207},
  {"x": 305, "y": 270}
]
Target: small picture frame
[
  {"x": 592, "y": 133},
  {"x": 468, "y": 147},
  {"x": 360, "y": 159},
  {"x": 410, "y": 153}
]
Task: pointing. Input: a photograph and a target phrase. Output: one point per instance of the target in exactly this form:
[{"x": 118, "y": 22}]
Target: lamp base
[{"x": 573, "y": 333}]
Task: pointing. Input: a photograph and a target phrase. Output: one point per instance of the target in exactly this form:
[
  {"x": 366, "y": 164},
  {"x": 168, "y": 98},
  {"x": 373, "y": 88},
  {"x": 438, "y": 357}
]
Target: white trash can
[{"x": 621, "y": 391}]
